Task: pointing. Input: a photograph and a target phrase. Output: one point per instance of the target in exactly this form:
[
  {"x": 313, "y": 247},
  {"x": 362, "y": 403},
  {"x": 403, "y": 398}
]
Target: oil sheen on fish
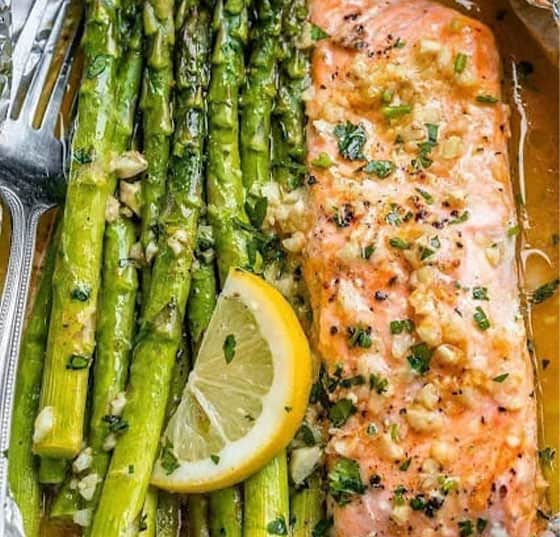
[{"x": 409, "y": 257}]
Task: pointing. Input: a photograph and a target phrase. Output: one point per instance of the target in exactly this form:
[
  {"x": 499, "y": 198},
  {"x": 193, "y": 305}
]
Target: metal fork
[{"x": 31, "y": 181}]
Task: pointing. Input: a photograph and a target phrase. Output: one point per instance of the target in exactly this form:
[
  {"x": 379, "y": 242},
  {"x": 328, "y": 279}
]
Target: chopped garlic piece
[
  {"x": 82, "y": 517},
  {"x": 129, "y": 164},
  {"x": 83, "y": 461},
  {"x": 112, "y": 209},
  {"x": 43, "y": 424},
  {"x": 118, "y": 404},
  {"x": 87, "y": 486}
]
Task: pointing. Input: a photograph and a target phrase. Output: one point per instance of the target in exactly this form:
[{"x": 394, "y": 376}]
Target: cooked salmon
[{"x": 410, "y": 262}]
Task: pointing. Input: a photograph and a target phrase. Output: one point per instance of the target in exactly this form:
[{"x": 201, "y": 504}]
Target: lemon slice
[{"x": 246, "y": 396}]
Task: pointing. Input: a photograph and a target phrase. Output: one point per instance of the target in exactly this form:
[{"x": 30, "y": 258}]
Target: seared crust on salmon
[{"x": 410, "y": 262}]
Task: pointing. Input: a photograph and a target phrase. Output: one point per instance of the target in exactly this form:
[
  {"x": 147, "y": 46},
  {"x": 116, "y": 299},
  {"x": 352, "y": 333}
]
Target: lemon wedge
[{"x": 246, "y": 396}]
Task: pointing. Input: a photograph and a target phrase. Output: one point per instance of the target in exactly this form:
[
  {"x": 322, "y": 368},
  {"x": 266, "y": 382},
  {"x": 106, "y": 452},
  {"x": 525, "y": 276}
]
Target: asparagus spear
[
  {"x": 288, "y": 132},
  {"x": 52, "y": 471},
  {"x": 289, "y": 124},
  {"x": 266, "y": 493},
  {"x": 161, "y": 326},
  {"x": 168, "y": 515},
  {"x": 147, "y": 524},
  {"x": 158, "y": 124},
  {"x": 267, "y": 500},
  {"x": 71, "y": 340},
  {"x": 197, "y": 516},
  {"x": 258, "y": 96},
  {"x": 307, "y": 507},
  {"x": 226, "y": 212},
  {"x": 202, "y": 299},
  {"x": 23, "y": 478},
  {"x": 225, "y": 513},
  {"x": 225, "y": 193},
  {"x": 116, "y": 321}
]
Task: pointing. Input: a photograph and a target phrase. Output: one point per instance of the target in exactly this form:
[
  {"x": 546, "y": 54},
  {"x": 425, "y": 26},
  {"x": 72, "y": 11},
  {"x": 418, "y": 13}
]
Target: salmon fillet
[{"x": 410, "y": 264}]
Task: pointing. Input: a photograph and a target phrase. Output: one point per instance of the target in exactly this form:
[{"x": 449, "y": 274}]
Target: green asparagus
[
  {"x": 158, "y": 124},
  {"x": 160, "y": 331},
  {"x": 117, "y": 304},
  {"x": 258, "y": 96},
  {"x": 225, "y": 193},
  {"x": 52, "y": 471},
  {"x": 226, "y": 513},
  {"x": 266, "y": 493},
  {"x": 307, "y": 507},
  {"x": 202, "y": 299},
  {"x": 226, "y": 198},
  {"x": 71, "y": 340},
  {"x": 289, "y": 121},
  {"x": 288, "y": 133},
  {"x": 197, "y": 516},
  {"x": 23, "y": 478},
  {"x": 267, "y": 500},
  {"x": 168, "y": 515}
]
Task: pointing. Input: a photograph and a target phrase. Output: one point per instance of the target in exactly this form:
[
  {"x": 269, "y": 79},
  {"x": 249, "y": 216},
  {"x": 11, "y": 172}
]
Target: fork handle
[{"x": 12, "y": 316}]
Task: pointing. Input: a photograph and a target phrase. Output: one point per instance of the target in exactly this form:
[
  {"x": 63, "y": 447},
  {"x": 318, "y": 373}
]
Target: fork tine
[
  {"x": 24, "y": 45},
  {"x": 31, "y": 100},
  {"x": 54, "y": 104}
]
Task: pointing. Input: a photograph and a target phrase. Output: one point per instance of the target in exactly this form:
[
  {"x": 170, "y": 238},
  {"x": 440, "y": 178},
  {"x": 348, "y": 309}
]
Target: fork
[{"x": 32, "y": 177}]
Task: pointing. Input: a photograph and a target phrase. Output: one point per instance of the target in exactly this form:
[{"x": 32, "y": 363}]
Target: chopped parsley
[
  {"x": 544, "y": 292},
  {"x": 405, "y": 465},
  {"x": 116, "y": 424},
  {"x": 343, "y": 217},
  {"x": 481, "y": 524},
  {"x": 317, "y": 33},
  {"x": 380, "y": 168},
  {"x": 351, "y": 140},
  {"x": 428, "y": 506},
  {"x": 322, "y": 161},
  {"x": 81, "y": 293},
  {"x": 82, "y": 156},
  {"x": 396, "y": 111},
  {"x": 501, "y": 378},
  {"x": 426, "y": 252},
  {"x": 423, "y": 161},
  {"x": 513, "y": 231},
  {"x": 277, "y": 526},
  {"x": 460, "y": 219},
  {"x": 97, "y": 66},
  {"x": 460, "y": 63},
  {"x": 368, "y": 251},
  {"x": 215, "y": 459},
  {"x": 371, "y": 429},
  {"x": 345, "y": 481},
  {"x": 322, "y": 527},
  {"x": 360, "y": 336},
  {"x": 481, "y": 319},
  {"x": 77, "y": 362},
  {"x": 169, "y": 461},
  {"x": 547, "y": 454},
  {"x": 358, "y": 380},
  {"x": 486, "y": 99},
  {"x": 377, "y": 383},
  {"x": 340, "y": 412},
  {"x": 419, "y": 358},
  {"x": 426, "y": 195},
  {"x": 400, "y": 326},
  {"x": 229, "y": 348},
  {"x": 465, "y": 528},
  {"x": 256, "y": 207},
  {"x": 480, "y": 293},
  {"x": 399, "y": 244}
]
